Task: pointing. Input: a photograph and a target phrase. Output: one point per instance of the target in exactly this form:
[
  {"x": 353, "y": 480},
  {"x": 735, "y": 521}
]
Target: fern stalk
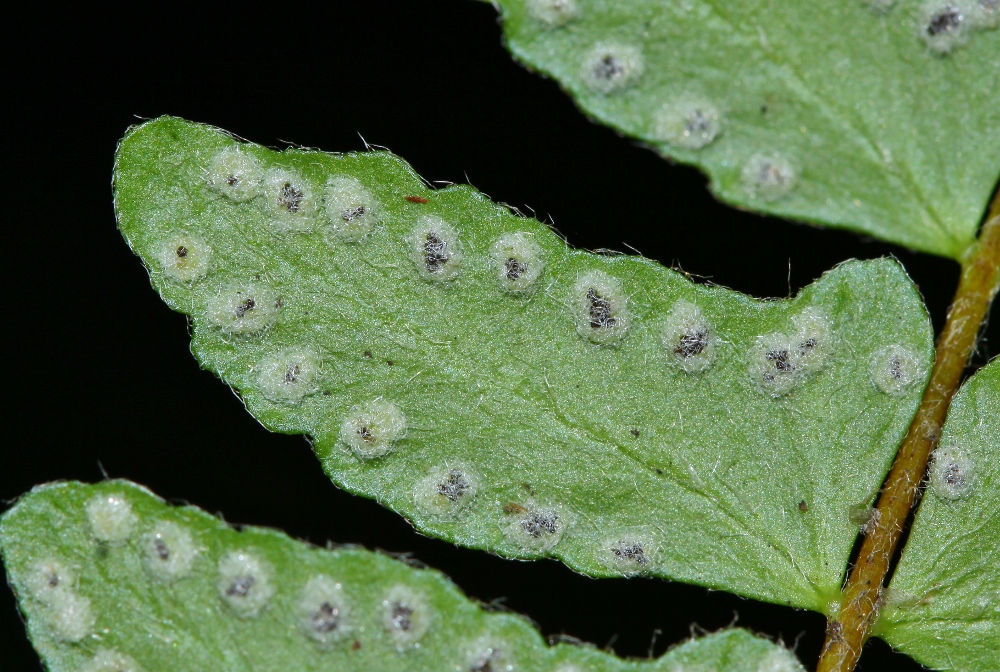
[{"x": 862, "y": 596}]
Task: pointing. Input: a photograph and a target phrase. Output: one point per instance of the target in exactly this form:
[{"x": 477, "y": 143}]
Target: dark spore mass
[
  {"x": 896, "y": 368},
  {"x": 608, "y": 68},
  {"x": 240, "y": 587},
  {"x": 537, "y": 523},
  {"x": 402, "y": 617},
  {"x": 435, "y": 253},
  {"x": 485, "y": 664},
  {"x": 600, "y": 311},
  {"x": 947, "y": 19},
  {"x": 780, "y": 360},
  {"x": 953, "y": 476},
  {"x": 352, "y": 213},
  {"x": 326, "y": 619},
  {"x": 630, "y": 552},
  {"x": 697, "y": 123},
  {"x": 454, "y": 486},
  {"x": 692, "y": 342},
  {"x": 290, "y": 197},
  {"x": 161, "y": 549},
  {"x": 514, "y": 268},
  {"x": 182, "y": 252},
  {"x": 244, "y": 307},
  {"x": 292, "y": 373}
]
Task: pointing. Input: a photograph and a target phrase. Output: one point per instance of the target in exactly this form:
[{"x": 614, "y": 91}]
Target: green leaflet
[
  {"x": 469, "y": 370},
  {"x": 849, "y": 114},
  {"x": 943, "y": 604},
  {"x": 112, "y": 579}
]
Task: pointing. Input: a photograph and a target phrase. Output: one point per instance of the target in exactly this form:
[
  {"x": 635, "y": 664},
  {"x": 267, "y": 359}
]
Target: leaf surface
[
  {"x": 112, "y": 579},
  {"x": 943, "y": 605},
  {"x": 880, "y": 117},
  {"x": 468, "y": 369}
]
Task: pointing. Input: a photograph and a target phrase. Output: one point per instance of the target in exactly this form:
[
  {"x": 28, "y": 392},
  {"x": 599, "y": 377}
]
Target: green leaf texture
[
  {"x": 943, "y": 604},
  {"x": 112, "y": 579},
  {"x": 880, "y": 117},
  {"x": 468, "y": 369}
]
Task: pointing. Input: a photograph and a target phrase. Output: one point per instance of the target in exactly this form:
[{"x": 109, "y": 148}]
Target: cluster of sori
[
  {"x": 944, "y": 26},
  {"x": 168, "y": 560},
  {"x": 687, "y": 121},
  {"x": 348, "y": 213},
  {"x": 245, "y": 580},
  {"x": 598, "y": 304}
]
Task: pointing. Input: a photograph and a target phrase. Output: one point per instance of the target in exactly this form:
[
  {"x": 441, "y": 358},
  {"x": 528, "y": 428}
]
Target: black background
[{"x": 99, "y": 371}]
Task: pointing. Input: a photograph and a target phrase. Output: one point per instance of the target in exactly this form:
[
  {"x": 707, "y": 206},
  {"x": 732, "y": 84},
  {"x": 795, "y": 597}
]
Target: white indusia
[
  {"x": 895, "y": 370},
  {"x": 779, "y": 362},
  {"x": 688, "y": 122},
  {"x": 67, "y": 615},
  {"x": 943, "y": 26},
  {"x": 243, "y": 308},
  {"x": 435, "y": 249},
  {"x": 184, "y": 258},
  {"x": 489, "y": 652},
  {"x": 289, "y": 375},
  {"x": 290, "y": 201},
  {"x": 111, "y": 517},
  {"x": 48, "y": 577},
  {"x": 688, "y": 338},
  {"x": 323, "y": 613},
  {"x": 350, "y": 209},
  {"x": 611, "y": 67},
  {"x": 535, "y": 527},
  {"x": 372, "y": 429},
  {"x": 816, "y": 336},
  {"x": 169, "y": 551},
  {"x": 244, "y": 582},
  {"x": 553, "y": 13},
  {"x": 108, "y": 660},
  {"x": 769, "y": 176},
  {"x": 952, "y": 472},
  {"x": 446, "y": 490},
  {"x": 235, "y": 174},
  {"x": 517, "y": 261},
  {"x": 406, "y": 615},
  {"x": 629, "y": 553},
  {"x": 600, "y": 308}
]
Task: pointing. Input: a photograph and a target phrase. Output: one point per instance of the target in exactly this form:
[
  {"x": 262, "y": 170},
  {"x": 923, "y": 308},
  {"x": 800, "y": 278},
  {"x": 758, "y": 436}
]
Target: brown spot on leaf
[{"x": 511, "y": 508}]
